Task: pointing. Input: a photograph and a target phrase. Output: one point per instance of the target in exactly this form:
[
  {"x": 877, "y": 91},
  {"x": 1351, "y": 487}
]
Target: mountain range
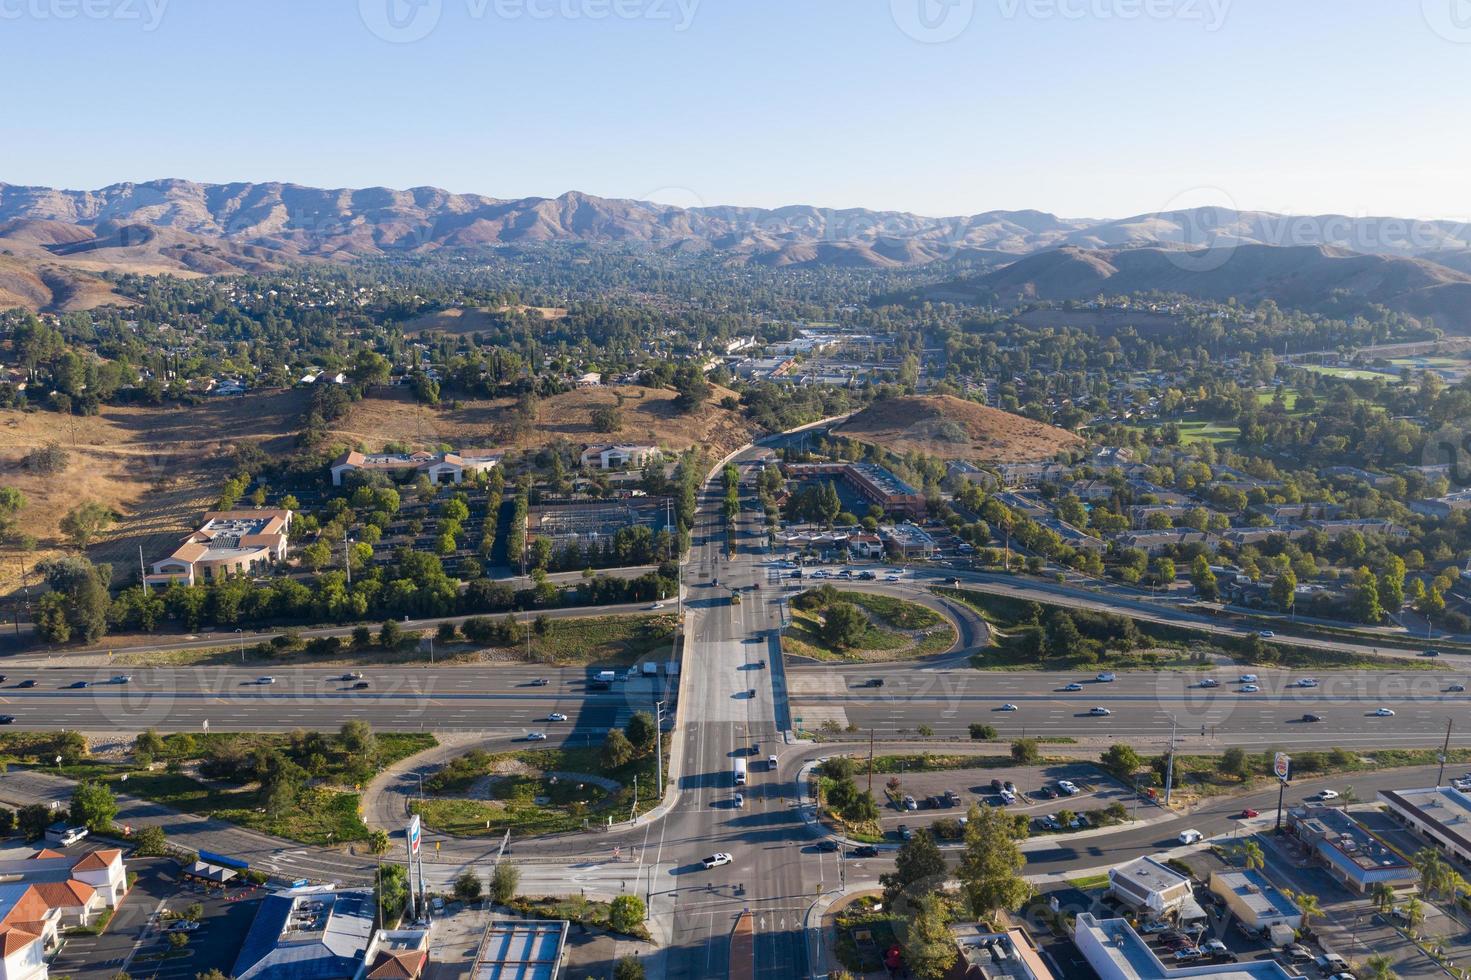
[{"x": 52, "y": 242}]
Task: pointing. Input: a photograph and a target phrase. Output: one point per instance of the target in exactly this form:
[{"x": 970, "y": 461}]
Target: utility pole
[
  {"x": 142, "y": 570},
  {"x": 347, "y": 559},
  {"x": 659, "y": 744},
  {"x": 870, "y": 760},
  {"x": 1170, "y": 765},
  {"x": 1445, "y": 752}
]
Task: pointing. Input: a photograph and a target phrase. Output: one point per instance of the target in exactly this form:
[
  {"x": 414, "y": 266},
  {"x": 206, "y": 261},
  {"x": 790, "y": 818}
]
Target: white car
[
  {"x": 1383, "y": 712},
  {"x": 182, "y": 925},
  {"x": 1008, "y": 706},
  {"x": 655, "y": 605},
  {"x": 1099, "y": 712},
  {"x": 1328, "y": 794},
  {"x": 1249, "y": 689},
  {"x": 556, "y": 716},
  {"x": 739, "y": 801},
  {"x": 1068, "y": 787},
  {"x": 1190, "y": 836},
  {"x": 536, "y": 736},
  {"x": 717, "y": 860},
  {"x": 1074, "y": 686},
  {"x": 1210, "y": 682},
  {"x": 265, "y": 680},
  {"x": 1266, "y": 634},
  {"x": 891, "y": 578},
  {"x": 1307, "y": 682},
  {"x": 1107, "y": 677},
  {"x": 1247, "y": 678}
]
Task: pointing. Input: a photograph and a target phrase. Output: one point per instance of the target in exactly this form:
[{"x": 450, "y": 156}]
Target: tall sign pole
[
  {"x": 1445, "y": 752},
  {"x": 413, "y": 837},
  {"x": 1282, "y": 769},
  {"x": 1170, "y": 765}
]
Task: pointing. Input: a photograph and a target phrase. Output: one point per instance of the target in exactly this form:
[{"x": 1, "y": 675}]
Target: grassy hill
[{"x": 953, "y": 428}]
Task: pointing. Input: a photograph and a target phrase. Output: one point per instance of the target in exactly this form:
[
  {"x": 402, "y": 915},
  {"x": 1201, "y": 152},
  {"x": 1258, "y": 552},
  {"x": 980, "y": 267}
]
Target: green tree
[
  {"x": 1252, "y": 858},
  {"x": 929, "y": 945},
  {"x": 981, "y": 732},
  {"x": 467, "y": 886},
  {"x": 991, "y": 863},
  {"x": 357, "y": 739},
  {"x": 1204, "y": 579},
  {"x": 629, "y": 968},
  {"x": 1284, "y": 590},
  {"x": 1384, "y": 897},
  {"x": 617, "y": 750},
  {"x": 85, "y": 521},
  {"x": 626, "y": 914},
  {"x": 93, "y": 806},
  {"x": 1378, "y": 966},
  {"x": 1307, "y": 903},
  {"x": 390, "y": 634},
  {"x": 1235, "y": 763},
  {"x": 504, "y": 881},
  {"x": 150, "y": 841},
  {"x": 843, "y": 625},
  {"x": 1366, "y": 606},
  {"x": 919, "y": 868},
  {"x": 32, "y": 820},
  {"x": 1024, "y": 752},
  {"x": 1122, "y": 760},
  {"x": 379, "y": 842},
  {"x": 641, "y": 731},
  {"x": 1392, "y": 583},
  {"x": 392, "y": 888}
]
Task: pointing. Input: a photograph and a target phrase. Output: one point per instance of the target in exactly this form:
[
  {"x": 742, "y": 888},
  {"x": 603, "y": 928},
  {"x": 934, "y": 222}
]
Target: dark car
[
  {"x": 77, "y": 684},
  {"x": 7, "y": 719},
  {"x": 875, "y": 682},
  {"x": 1431, "y": 653},
  {"x": 360, "y": 686},
  {"x": 997, "y": 785},
  {"x": 28, "y": 682},
  {"x": 827, "y": 845},
  {"x": 1309, "y": 718},
  {"x": 864, "y": 851},
  {"x": 1047, "y": 793}
]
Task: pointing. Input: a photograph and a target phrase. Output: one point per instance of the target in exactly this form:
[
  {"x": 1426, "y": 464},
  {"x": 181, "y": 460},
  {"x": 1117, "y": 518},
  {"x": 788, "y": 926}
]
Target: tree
[
  {"x": 981, "y": 732},
  {"x": 1122, "y": 760},
  {"x": 641, "y": 731},
  {"x": 7, "y": 821},
  {"x": 1414, "y": 914},
  {"x": 32, "y": 821},
  {"x": 1307, "y": 904},
  {"x": 1204, "y": 579},
  {"x": 93, "y": 806},
  {"x": 991, "y": 863},
  {"x": 150, "y": 842},
  {"x": 390, "y": 634},
  {"x": 1384, "y": 897},
  {"x": 929, "y": 946},
  {"x": 1378, "y": 967},
  {"x": 1284, "y": 590},
  {"x": 1433, "y": 870},
  {"x": 467, "y": 886},
  {"x": 919, "y": 868},
  {"x": 1024, "y": 752},
  {"x": 843, "y": 625},
  {"x": 392, "y": 889},
  {"x": 11, "y": 503},
  {"x": 504, "y": 881},
  {"x": 629, "y": 968},
  {"x": 85, "y": 521},
  {"x": 1366, "y": 606},
  {"x": 617, "y": 750},
  {"x": 1234, "y": 762},
  {"x": 379, "y": 842},
  {"x": 626, "y": 914},
  {"x": 358, "y": 740},
  {"x": 1252, "y": 858},
  {"x": 607, "y": 419}
]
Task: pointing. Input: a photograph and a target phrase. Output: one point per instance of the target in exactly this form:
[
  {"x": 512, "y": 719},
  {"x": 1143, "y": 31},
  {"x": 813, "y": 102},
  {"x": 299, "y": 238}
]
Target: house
[
  {"x": 521, "y": 949},
  {"x": 1439, "y": 814},
  {"x": 442, "y": 469},
  {"x": 1350, "y": 851},
  {"x": 47, "y": 892},
  {"x": 1158, "y": 542},
  {"x": 308, "y": 933},
  {"x": 1257, "y": 902},
  {"x": 1151, "y": 888},
  {"x": 1116, "y": 952},
  {"x": 230, "y": 542},
  {"x": 591, "y": 379},
  {"x": 1443, "y": 506},
  {"x": 1336, "y": 529},
  {"x": 988, "y": 955},
  {"x": 618, "y": 457}
]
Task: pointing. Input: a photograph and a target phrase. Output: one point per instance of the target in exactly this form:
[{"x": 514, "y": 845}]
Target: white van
[
  {"x": 740, "y": 772},
  {"x": 1190, "y": 837}
]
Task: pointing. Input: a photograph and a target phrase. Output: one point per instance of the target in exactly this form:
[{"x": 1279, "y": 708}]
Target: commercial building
[
  {"x": 1440, "y": 814},
  {"x": 1116, "y": 952},
  {"x": 521, "y": 950},
  {"x": 1151, "y": 888},
  {"x": 871, "y": 481},
  {"x": 1349, "y": 850},
  {"x": 996, "y": 955},
  {"x": 442, "y": 469},
  {"x": 230, "y": 542},
  {"x": 907, "y": 541},
  {"x": 618, "y": 457},
  {"x": 311, "y": 933},
  {"x": 1257, "y": 902},
  {"x": 45, "y": 892}
]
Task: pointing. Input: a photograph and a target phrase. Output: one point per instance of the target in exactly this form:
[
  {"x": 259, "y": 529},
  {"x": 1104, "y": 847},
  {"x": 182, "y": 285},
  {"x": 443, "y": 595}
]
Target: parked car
[
  {"x": 1248, "y": 814},
  {"x": 1067, "y": 787},
  {"x": 997, "y": 785},
  {"x": 182, "y": 925},
  {"x": 1328, "y": 794},
  {"x": 1190, "y": 837},
  {"x": 909, "y": 803}
]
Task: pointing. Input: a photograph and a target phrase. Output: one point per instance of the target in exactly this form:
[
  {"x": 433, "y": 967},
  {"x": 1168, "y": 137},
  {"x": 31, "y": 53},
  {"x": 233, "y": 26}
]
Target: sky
[{"x": 1083, "y": 108}]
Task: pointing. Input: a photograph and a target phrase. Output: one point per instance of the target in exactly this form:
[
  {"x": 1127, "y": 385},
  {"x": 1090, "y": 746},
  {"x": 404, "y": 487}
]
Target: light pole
[
  {"x": 659, "y": 744},
  {"x": 240, "y": 638}
]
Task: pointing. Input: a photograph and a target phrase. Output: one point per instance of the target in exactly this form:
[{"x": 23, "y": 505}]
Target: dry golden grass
[
  {"x": 649, "y": 418},
  {"x": 953, "y": 428},
  {"x": 461, "y": 320}
]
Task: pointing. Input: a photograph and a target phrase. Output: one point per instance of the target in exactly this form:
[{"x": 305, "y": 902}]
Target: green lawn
[
  {"x": 620, "y": 640},
  {"x": 893, "y": 634},
  {"x": 1349, "y": 374}
]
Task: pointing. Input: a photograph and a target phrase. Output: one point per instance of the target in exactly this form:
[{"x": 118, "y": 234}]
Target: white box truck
[
  {"x": 651, "y": 668},
  {"x": 740, "y": 772},
  {"x": 607, "y": 676}
]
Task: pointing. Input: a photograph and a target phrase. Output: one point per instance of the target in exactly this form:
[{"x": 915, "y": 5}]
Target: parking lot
[
  {"x": 1035, "y": 791},
  {"x": 136, "y": 941}
]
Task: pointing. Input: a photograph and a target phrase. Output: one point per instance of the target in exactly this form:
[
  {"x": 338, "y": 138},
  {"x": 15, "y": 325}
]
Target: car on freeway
[
  {"x": 540, "y": 682},
  {"x": 265, "y": 680},
  {"x": 1328, "y": 794},
  {"x": 122, "y": 679},
  {"x": 739, "y": 801},
  {"x": 361, "y": 686},
  {"x": 28, "y": 682},
  {"x": 1249, "y": 689},
  {"x": 556, "y": 716},
  {"x": 864, "y": 851},
  {"x": 1075, "y": 686},
  {"x": 1008, "y": 707},
  {"x": 77, "y": 684},
  {"x": 1247, "y": 814},
  {"x": 536, "y": 736},
  {"x": 1311, "y": 718},
  {"x": 1247, "y": 679},
  {"x": 952, "y": 580},
  {"x": 1383, "y": 712},
  {"x": 1190, "y": 837},
  {"x": 874, "y": 682},
  {"x": 1266, "y": 634},
  {"x": 1210, "y": 682},
  {"x": 891, "y": 578},
  {"x": 1067, "y": 787},
  {"x": 7, "y": 719},
  {"x": 1456, "y": 688},
  {"x": 351, "y": 675},
  {"x": 717, "y": 860},
  {"x": 1099, "y": 712},
  {"x": 1107, "y": 677},
  {"x": 1431, "y": 653},
  {"x": 1307, "y": 682}
]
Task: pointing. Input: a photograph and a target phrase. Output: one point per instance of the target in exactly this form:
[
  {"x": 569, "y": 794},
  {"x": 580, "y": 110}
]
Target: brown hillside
[
  {"x": 952, "y": 428},
  {"x": 649, "y": 418}
]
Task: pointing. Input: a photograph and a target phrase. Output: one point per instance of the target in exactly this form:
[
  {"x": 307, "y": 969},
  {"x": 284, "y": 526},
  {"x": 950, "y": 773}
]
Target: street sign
[
  {"x": 413, "y": 835},
  {"x": 1282, "y": 766}
]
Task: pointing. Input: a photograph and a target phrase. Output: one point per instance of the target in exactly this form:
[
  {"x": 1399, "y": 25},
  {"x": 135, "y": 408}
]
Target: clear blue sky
[{"x": 1079, "y": 107}]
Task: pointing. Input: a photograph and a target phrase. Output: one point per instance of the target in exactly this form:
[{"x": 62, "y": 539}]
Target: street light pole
[
  {"x": 659, "y": 744},
  {"x": 1445, "y": 752},
  {"x": 1170, "y": 765},
  {"x": 240, "y": 638}
]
